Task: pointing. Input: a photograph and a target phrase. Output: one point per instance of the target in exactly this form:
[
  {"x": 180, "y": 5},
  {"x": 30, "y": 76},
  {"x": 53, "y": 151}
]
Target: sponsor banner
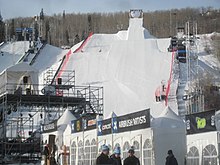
[
  {"x": 89, "y": 123},
  {"x": 114, "y": 125},
  {"x": 76, "y": 125},
  {"x": 104, "y": 127},
  {"x": 130, "y": 122},
  {"x": 51, "y": 127},
  {"x": 83, "y": 124},
  {"x": 200, "y": 122},
  {"x": 133, "y": 121}
]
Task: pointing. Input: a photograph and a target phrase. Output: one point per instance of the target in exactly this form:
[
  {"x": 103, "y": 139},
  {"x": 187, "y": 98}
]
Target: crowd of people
[{"x": 115, "y": 158}]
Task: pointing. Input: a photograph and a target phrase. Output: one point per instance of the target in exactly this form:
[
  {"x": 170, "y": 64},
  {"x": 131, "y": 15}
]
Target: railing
[
  {"x": 36, "y": 55},
  {"x": 93, "y": 95}
]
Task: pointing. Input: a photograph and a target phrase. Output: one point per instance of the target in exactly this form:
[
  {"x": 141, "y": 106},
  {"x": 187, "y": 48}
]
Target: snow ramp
[
  {"x": 49, "y": 57},
  {"x": 129, "y": 68}
]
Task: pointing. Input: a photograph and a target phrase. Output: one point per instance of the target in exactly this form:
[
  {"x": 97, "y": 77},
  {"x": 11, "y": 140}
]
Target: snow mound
[{"x": 129, "y": 69}]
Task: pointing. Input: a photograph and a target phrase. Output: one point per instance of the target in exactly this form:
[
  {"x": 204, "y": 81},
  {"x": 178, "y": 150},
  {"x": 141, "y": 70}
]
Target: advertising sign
[
  {"x": 50, "y": 127},
  {"x": 200, "y": 122}
]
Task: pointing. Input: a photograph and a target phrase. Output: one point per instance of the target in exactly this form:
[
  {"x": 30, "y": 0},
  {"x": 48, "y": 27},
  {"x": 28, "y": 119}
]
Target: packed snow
[{"x": 129, "y": 70}]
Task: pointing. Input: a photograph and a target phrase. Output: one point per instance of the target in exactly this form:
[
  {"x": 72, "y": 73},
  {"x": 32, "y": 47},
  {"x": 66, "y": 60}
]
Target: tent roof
[
  {"x": 168, "y": 119},
  {"x": 66, "y": 118},
  {"x": 20, "y": 67},
  {"x": 169, "y": 113}
]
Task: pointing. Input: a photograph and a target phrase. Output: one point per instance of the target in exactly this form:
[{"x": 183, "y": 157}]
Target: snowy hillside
[
  {"x": 11, "y": 53},
  {"x": 48, "y": 57},
  {"x": 130, "y": 65},
  {"x": 208, "y": 63}
]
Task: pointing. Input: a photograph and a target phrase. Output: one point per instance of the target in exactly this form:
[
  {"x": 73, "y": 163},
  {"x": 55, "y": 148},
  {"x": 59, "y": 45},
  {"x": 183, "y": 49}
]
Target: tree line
[{"x": 69, "y": 29}]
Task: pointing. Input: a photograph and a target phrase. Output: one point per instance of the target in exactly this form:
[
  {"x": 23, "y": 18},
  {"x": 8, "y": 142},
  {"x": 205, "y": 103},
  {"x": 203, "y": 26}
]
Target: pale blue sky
[{"x": 17, "y": 8}]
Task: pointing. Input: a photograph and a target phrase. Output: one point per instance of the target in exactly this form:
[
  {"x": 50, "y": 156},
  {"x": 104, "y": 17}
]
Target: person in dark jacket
[
  {"x": 116, "y": 157},
  {"x": 103, "y": 158},
  {"x": 131, "y": 159},
  {"x": 170, "y": 159},
  {"x": 46, "y": 154}
]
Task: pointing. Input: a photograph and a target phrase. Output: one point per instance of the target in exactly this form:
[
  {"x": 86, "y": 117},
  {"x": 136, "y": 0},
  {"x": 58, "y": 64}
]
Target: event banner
[
  {"x": 200, "y": 122},
  {"x": 104, "y": 127},
  {"x": 89, "y": 123},
  {"x": 133, "y": 121},
  {"x": 83, "y": 124},
  {"x": 51, "y": 127},
  {"x": 76, "y": 125},
  {"x": 129, "y": 122}
]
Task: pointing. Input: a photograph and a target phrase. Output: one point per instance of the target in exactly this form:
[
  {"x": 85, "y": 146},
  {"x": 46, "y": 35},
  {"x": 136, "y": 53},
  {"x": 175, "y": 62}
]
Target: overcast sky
[{"x": 17, "y": 8}]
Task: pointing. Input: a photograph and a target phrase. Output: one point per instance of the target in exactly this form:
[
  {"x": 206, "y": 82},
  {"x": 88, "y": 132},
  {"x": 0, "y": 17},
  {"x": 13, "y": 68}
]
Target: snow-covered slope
[
  {"x": 208, "y": 63},
  {"x": 49, "y": 57},
  {"x": 11, "y": 52},
  {"x": 129, "y": 69}
]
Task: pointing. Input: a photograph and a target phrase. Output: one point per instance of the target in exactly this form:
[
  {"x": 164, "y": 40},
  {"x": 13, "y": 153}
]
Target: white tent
[
  {"x": 62, "y": 123},
  {"x": 64, "y": 120},
  {"x": 12, "y": 78},
  {"x": 169, "y": 133}
]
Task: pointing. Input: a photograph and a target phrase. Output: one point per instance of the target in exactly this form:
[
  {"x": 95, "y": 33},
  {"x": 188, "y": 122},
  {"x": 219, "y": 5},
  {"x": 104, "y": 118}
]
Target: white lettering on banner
[
  {"x": 132, "y": 122},
  {"x": 49, "y": 127},
  {"x": 107, "y": 126}
]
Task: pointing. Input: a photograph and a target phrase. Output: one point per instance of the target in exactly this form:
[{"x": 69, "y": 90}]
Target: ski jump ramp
[{"x": 130, "y": 65}]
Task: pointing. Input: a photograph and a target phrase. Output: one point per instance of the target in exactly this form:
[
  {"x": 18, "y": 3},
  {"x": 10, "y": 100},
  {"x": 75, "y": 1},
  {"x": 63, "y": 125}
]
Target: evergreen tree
[
  {"x": 76, "y": 40},
  {"x": 67, "y": 37},
  {"x": 47, "y": 29},
  {"x": 83, "y": 37},
  {"x": 2, "y": 29},
  {"x": 12, "y": 28},
  {"x": 90, "y": 23},
  {"x": 42, "y": 14}
]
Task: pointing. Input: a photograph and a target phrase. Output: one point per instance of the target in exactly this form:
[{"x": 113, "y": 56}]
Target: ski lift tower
[{"x": 195, "y": 101}]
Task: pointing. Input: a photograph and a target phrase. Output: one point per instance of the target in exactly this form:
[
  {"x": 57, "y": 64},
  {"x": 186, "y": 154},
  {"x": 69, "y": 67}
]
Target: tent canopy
[
  {"x": 168, "y": 119},
  {"x": 64, "y": 120},
  {"x": 169, "y": 132}
]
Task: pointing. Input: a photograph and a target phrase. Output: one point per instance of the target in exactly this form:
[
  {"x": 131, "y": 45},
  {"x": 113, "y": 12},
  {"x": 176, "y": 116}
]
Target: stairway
[{"x": 181, "y": 89}]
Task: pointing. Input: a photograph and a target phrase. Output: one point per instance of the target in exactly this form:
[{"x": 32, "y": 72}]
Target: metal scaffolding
[{"x": 23, "y": 111}]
